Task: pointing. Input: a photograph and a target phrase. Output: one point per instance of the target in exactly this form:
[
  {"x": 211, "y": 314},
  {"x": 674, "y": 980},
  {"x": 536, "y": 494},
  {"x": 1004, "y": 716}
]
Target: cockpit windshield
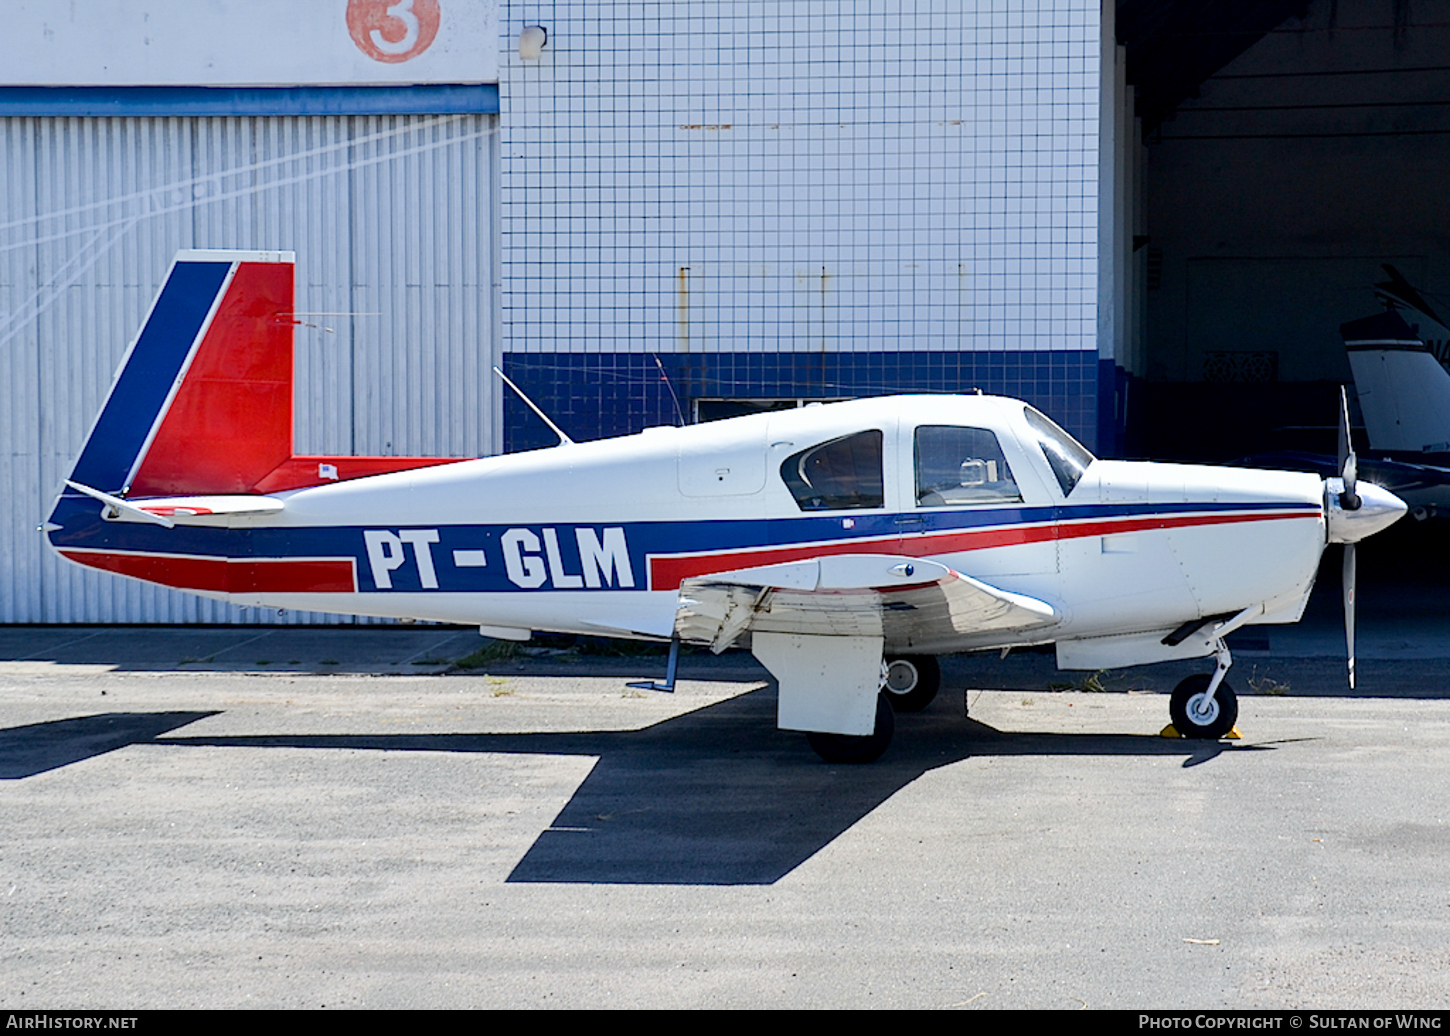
[{"x": 1067, "y": 457}]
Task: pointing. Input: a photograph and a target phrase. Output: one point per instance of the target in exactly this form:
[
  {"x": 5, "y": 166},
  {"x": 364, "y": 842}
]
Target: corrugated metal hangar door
[{"x": 393, "y": 219}]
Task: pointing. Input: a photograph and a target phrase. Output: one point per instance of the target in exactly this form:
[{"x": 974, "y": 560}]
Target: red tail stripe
[{"x": 223, "y": 575}]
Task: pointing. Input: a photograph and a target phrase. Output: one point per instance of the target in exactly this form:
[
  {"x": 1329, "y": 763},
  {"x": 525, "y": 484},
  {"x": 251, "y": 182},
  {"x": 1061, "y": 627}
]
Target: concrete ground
[{"x": 348, "y": 818}]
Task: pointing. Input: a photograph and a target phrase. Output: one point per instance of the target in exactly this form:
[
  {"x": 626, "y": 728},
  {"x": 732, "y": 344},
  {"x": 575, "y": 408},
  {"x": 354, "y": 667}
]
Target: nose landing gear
[
  {"x": 1203, "y": 706},
  {"x": 1196, "y": 715}
]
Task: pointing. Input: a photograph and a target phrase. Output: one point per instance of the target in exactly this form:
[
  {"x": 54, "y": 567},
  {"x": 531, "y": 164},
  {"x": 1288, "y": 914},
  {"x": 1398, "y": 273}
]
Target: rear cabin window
[
  {"x": 957, "y": 466},
  {"x": 841, "y": 475}
]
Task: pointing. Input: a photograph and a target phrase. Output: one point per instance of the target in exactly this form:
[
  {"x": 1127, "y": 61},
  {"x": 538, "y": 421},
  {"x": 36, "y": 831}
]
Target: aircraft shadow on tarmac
[
  {"x": 39, "y": 747},
  {"x": 718, "y": 796}
]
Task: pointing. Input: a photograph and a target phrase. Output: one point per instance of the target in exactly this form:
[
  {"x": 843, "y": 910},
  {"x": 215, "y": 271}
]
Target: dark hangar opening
[{"x": 1281, "y": 153}]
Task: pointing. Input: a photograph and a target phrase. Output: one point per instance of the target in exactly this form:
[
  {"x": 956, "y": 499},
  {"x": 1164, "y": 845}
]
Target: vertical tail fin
[
  {"x": 203, "y": 401},
  {"x": 1404, "y": 393},
  {"x": 199, "y": 423},
  {"x": 202, "y": 405}
]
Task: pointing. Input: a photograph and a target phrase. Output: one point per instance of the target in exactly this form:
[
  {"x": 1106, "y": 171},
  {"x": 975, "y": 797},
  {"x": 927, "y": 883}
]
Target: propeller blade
[
  {"x": 1348, "y": 462},
  {"x": 1348, "y": 581}
]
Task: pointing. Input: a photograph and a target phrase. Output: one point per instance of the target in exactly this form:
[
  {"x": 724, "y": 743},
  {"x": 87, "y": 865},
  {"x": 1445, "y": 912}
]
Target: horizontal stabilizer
[
  {"x": 115, "y": 507},
  {"x": 179, "y": 510},
  {"x": 185, "y": 509}
]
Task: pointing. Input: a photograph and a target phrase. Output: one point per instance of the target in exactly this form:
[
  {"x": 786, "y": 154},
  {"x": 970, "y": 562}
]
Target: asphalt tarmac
[{"x": 307, "y": 818}]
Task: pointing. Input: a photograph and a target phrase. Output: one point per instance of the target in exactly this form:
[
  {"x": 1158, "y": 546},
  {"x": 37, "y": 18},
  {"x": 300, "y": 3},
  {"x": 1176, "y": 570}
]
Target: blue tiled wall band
[{"x": 594, "y": 395}]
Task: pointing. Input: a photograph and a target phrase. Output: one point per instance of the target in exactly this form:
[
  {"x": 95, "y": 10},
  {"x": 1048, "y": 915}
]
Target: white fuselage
[{"x": 596, "y": 537}]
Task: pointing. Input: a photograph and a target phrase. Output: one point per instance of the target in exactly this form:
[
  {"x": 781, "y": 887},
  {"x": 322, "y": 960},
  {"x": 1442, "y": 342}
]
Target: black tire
[
  {"x": 867, "y": 748},
  {"x": 1224, "y": 715},
  {"x": 912, "y": 682}
]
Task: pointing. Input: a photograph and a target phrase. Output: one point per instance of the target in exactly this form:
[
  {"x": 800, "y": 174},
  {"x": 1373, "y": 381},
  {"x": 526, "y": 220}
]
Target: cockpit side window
[
  {"x": 1067, "y": 457},
  {"x": 840, "y": 475},
  {"x": 956, "y": 466}
]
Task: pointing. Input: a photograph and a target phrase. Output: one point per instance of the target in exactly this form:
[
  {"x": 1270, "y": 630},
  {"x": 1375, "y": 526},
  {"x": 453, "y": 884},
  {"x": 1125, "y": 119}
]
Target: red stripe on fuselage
[
  {"x": 1111, "y": 526},
  {"x": 314, "y": 576},
  {"x": 224, "y": 575},
  {"x": 667, "y": 572}
]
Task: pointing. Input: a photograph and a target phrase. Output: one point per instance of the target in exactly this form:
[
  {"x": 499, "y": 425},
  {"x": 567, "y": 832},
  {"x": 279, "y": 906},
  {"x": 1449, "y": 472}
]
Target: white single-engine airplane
[{"x": 850, "y": 542}]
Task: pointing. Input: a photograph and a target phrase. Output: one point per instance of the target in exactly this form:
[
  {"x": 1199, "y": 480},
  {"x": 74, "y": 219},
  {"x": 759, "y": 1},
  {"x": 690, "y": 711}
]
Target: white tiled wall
[{"x": 743, "y": 175}]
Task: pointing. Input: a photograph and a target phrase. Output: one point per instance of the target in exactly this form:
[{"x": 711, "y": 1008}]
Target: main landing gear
[
  {"x": 908, "y": 684},
  {"x": 911, "y": 682},
  {"x": 845, "y": 748}
]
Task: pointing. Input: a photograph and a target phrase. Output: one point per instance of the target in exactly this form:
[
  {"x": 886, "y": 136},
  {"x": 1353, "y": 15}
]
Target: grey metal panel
[
  {"x": 423, "y": 291},
  {"x": 393, "y": 221},
  {"x": 19, "y": 381}
]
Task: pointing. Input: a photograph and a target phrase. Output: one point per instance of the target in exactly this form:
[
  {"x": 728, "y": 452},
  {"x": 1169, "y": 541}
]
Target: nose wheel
[{"x": 1196, "y": 715}]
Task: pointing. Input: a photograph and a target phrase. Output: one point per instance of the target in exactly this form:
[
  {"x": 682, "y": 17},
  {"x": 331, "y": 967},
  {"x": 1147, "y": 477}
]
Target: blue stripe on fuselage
[{"x": 82, "y": 528}]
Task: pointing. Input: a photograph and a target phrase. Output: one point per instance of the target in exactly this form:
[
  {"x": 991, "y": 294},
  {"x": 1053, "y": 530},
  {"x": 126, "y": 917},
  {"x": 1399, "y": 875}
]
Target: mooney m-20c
[{"x": 848, "y": 544}]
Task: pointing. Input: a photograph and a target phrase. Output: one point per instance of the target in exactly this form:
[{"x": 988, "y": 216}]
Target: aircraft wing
[{"x": 859, "y": 595}]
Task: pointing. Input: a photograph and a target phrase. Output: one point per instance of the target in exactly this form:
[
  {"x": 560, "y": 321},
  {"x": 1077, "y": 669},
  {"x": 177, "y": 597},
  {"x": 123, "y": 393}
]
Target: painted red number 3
[{"x": 392, "y": 30}]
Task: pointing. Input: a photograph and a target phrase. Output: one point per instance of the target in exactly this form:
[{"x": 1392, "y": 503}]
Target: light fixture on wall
[{"x": 531, "y": 42}]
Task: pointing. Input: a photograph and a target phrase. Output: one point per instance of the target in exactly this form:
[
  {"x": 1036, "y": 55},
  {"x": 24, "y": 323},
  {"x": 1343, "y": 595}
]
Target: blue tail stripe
[{"x": 141, "y": 390}]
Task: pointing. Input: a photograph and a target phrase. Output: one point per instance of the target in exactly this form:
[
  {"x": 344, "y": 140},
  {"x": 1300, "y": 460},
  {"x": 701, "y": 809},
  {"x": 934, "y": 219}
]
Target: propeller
[
  {"x": 1349, "y": 501},
  {"x": 1348, "y": 463},
  {"x": 1353, "y": 512},
  {"x": 1347, "y": 579}
]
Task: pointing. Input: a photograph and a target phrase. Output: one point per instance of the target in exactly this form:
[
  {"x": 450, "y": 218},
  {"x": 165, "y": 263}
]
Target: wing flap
[{"x": 852, "y": 595}]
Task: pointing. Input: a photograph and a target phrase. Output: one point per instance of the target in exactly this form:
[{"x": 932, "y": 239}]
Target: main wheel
[
  {"x": 866, "y": 748},
  {"x": 912, "y": 682},
  {"x": 1189, "y": 716}
]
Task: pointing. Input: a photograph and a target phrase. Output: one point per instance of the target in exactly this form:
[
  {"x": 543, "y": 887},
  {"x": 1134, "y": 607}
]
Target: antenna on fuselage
[
  {"x": 666, "y": 379},
  {"x": 564, "y": 440}
]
